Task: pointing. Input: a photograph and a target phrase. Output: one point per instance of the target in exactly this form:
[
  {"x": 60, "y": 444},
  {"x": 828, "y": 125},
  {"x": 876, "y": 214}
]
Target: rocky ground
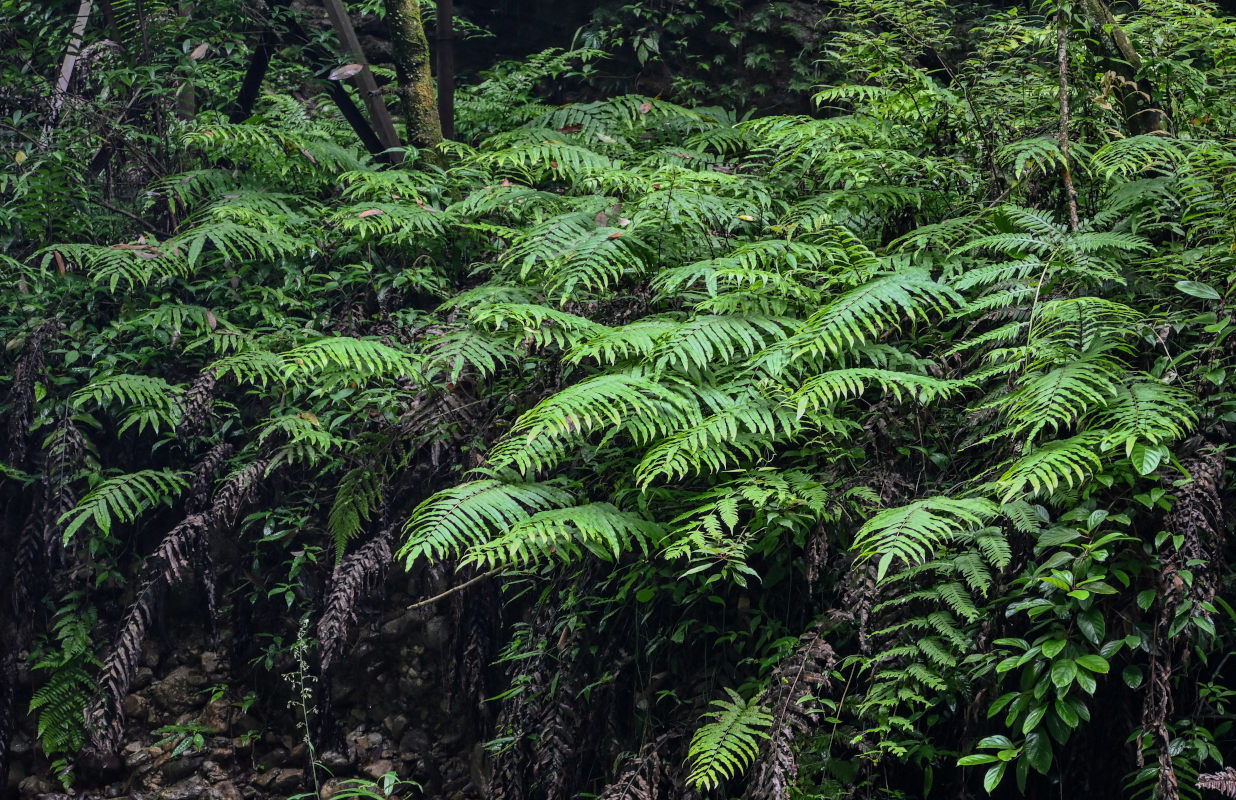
[{"x": 238, "y": 732}]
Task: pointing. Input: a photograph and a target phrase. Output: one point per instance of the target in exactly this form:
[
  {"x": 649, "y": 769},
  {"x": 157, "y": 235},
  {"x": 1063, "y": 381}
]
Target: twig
[
  {"x": 130, "y": 215},
  {"x": 1062, "y": 57},
  {"x": 453, "y": 589}
]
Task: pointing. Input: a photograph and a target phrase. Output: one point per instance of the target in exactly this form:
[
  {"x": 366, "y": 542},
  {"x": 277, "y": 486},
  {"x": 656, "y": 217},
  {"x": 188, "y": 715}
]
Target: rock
[
  {"x": 210, "y": 662},
  {"x": 214, "y": 716},
  {"x": 212, "y": 772},
  {"x": 143, "y": 677},
  {"x": 334, "y": 760},
  {"x": 396, "y": 628},
  {"x": 376, "y": 769},
  {"x": 437, "y": 633},
  {"x": 180, "y": 690},
  {"x": 273, "y": 758},
  {"x": 150, "y": 654},
  {"x": 35, "y": 785},
  {"x": 287, "y": 779},
  {"x": 414, "y": 741},
  {"x": 395, "y": 725},
  {"x": 136, "y": 707},
  {"x": 180, "y": 767},
  {"x": 140, "y": 758},
  {"x": 223, "y": 791},
  {"x": 188, "y": 789}
]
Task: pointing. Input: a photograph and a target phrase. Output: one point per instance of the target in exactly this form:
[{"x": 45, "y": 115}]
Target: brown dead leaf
[
  {"x": 370, "y": 213},
  {"x": 199, "y": 51}
]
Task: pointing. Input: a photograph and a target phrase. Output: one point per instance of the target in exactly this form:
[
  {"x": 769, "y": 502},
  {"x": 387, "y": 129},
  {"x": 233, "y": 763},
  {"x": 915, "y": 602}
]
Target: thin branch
[
  {"x": 453, "y": 589},
  {"x": 1062, "y": 58},
  {"x": 100, "y": 202}
]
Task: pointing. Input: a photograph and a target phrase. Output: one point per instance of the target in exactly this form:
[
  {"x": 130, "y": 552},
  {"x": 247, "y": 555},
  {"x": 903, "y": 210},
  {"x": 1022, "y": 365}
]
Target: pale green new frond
[
  {"x": 564, "y": 534},
  {"x": 912, "y": 532},
  {"x": 538, "y": 324},
  {"x": 831, "y": 387},
  {"x": 464, "y": 516},
  {"x": 123, "y": 498},
  {"x": 1135, "y": 154},
  {"x": 1066, "y": 461},
  {"x": 710, "y": 340},
  {"x": 724, "y": 747},
  {"x": 1149, "y": 410},
  {"x": 635, "y": 340},
  {"x": 357, "y": 358},
  {"x": 741, "y": 429},
  {"x": 626, "y": 400}
]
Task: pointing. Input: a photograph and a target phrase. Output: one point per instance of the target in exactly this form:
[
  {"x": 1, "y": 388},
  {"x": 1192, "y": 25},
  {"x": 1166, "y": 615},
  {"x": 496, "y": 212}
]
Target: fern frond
[
  {"x": 564, "y": 534},
  {"x": 359, "y": 494},
  {"x": 629, "y": 401},
  {"x": 724, "y": 747},
  {"x": 913, "y": 532},
  {"x": 124, "y": 498},
  {"x": 462, "y": 517},
  {"x": 1066, "y": 461}
]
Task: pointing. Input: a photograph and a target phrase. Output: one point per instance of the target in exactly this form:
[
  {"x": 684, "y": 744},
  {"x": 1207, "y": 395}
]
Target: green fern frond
[
  {"x": 359, "y": 494},
  {"x": 912, "y": 532},
  {"x": 123, "y": 499},
  {"x": 1066, "y": 461},
  {"x": 635, "y": 340},
  {"x": 450, "y": 522},
  {"x": 741, "y": 429},
  {"x": 712, "y": 340},
  {"x": 564, "y": 534},
  {"x": 726, "y": 746},
  {"x": 1149, "y": 410},
  {"x": 454, "y": 353},
  {"x": 823, "y": 391},
  {"x": 538, "y": 324},
  {"x": 628, "y": 401}
]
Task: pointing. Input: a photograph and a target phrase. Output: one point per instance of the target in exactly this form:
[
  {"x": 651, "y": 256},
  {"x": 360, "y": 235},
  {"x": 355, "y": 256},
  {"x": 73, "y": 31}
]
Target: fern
[
  {"x": 724, "y": 747},
  {"x": 564, "y": 534},
  {"x": 912, "y": 532},
  {"x": 123, "y": 499},
  {"x": 464, "y": 516}
]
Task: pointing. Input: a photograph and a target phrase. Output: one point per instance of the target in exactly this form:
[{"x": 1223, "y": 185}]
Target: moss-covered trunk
[{"x": 411, "y": 52}]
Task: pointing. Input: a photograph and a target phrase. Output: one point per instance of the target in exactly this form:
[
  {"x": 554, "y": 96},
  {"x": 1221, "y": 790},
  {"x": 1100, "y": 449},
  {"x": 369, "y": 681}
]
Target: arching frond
[
  {"x": 464, "y": 516},
  {"x": 565, "y": 534}
]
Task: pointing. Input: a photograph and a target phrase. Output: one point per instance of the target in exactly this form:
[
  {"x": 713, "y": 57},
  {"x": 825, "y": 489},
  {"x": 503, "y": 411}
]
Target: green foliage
[
  {"x": 723, "y": 747},
  {"x": 686, "y": 386}
]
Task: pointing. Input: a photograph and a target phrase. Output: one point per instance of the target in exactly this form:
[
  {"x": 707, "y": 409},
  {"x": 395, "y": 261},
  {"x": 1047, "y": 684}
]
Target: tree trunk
[{"x": 411, "y": 53}]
